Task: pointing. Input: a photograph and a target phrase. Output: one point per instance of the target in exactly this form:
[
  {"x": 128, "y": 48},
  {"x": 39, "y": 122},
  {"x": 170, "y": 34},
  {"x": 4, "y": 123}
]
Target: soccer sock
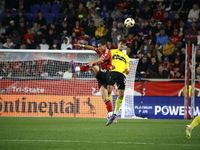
[
  {"x": 118, "y": 104},
  {"x": 195, "y": 122},
  {"x": 84, "y": 68},
  {"x": 108, "y": 106},
  {"x": 110, "y": 97}
]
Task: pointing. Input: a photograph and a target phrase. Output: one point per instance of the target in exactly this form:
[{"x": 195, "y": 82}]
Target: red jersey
[
  {"x": 175, "y": 39},
  {"x": 107, "y": 63}
]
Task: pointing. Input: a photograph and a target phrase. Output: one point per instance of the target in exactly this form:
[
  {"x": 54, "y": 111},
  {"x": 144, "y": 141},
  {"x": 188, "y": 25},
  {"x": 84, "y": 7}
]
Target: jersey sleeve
[{"x": 106, "y": 55}]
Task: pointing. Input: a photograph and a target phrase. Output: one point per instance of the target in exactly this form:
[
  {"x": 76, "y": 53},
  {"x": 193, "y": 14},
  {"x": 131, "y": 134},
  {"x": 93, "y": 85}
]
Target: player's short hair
[
  {"x": 123, "y": 41},
  {"x": 102, "y": 42}
]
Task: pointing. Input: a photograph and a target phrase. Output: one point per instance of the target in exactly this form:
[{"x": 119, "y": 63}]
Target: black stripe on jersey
[{"x": 119, "y": 57}]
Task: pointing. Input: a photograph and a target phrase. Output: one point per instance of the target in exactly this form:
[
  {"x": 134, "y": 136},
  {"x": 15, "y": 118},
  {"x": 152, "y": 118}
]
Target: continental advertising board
[{"x": 52, "y": 106}]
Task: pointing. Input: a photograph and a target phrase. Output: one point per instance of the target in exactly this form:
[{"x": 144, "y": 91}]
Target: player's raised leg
[
  {"x": 193, "y": 124},
  {"x": 74, "y": 68}
]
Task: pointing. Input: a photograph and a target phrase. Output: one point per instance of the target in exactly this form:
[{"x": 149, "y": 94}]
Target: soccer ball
[{"x": 129, "y": 22}]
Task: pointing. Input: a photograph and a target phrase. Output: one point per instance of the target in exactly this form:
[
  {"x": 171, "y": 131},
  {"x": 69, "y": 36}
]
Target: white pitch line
[{"x": 68, "y": 141}]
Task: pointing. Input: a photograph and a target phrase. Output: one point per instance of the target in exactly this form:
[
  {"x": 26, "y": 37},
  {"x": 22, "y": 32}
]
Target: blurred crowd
[{"x": 157, "y": 37}]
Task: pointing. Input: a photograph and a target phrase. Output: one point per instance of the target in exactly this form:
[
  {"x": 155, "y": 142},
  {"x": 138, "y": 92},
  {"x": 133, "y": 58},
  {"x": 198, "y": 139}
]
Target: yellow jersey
[{"x": 120, "y": 60}]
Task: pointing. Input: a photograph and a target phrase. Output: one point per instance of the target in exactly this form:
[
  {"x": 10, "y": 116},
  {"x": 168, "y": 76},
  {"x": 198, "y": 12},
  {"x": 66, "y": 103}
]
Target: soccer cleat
[
  {"x": 72, "y": 67},
  {"x": 188, "y": 131},
  {"x": 110, "y": 120},
  {"x": 109, "y": 115}
]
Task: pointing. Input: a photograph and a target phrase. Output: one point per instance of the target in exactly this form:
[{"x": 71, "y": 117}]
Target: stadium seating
[
  {"x": 14, "y": 14},
  {"x": 2, "y": 15},
  {"x": 29, "y": 16},
  {"x": 34, "y": 8},
  {"x": 57, "y": 18},
  {"x": 45, "y": 8},
  {"x": 49, "y": 18},
  {"x": 55, "y": 8}
]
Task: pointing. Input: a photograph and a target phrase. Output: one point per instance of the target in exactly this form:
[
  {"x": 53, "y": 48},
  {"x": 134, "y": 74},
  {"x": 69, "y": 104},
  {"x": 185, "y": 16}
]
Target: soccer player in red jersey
[{"x": 100, "y": 71}]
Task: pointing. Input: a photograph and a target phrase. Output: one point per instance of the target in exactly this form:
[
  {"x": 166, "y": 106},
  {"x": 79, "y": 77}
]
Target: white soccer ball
[{"x": 129, "y": 22}]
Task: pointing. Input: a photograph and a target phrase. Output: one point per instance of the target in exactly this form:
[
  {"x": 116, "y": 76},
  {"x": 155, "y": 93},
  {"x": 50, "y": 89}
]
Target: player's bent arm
[
  {"x": 96, "y": 61},
  {"x": 89, "y": 47}
]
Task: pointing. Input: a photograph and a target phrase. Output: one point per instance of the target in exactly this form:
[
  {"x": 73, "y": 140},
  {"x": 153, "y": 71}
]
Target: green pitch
[{"x": 37, "y": 133}]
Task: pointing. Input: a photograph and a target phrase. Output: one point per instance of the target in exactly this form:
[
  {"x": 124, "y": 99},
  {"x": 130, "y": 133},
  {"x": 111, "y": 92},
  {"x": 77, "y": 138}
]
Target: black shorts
[
  {"x": 118, "y": 78},
  {"x": 103, "y": 78}
]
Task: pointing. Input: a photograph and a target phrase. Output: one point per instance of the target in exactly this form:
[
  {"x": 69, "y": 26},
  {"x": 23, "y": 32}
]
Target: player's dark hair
[
  {"x": 122, "y": 40},
  {"x": 102, "y": 42}
]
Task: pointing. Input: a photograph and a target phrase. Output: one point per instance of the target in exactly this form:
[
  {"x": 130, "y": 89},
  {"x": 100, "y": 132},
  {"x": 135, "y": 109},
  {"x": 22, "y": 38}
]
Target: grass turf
[{"x": 38, "y": 133}]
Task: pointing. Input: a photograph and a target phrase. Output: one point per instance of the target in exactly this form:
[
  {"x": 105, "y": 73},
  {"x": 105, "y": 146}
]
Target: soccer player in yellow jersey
[
  {"x": 193, "y": 124},
  {"x": 120, "y": 61}
]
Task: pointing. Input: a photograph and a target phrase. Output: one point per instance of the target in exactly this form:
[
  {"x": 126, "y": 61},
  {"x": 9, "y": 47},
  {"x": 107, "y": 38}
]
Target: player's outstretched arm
[
  {"x": 96, "y": 61},
  {"x": 88, "y": 47}
]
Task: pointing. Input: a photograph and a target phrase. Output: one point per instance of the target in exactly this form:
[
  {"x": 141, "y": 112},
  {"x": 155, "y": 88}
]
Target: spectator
[
  {"x": 176, "y": 20},
  {"x": 115, "y": 13},
  {"x": 38, "y": 37},
  {"x": 142, "y": 67},
  {"x": 11, "y": 28},
  {"x": 137, "y": 14},
  {"x": 28, "y": 35},
  {"x": 193, "y": 26},
  {"x": 16, "y": 39},
  {"x": 197, "y": 73},
  {"x": 181, "y": 28},
  {"x": 22, "y": 28},
  {"x": 93, "y": 42},
  {"x": 30, "y": 44},
  {"x": 108, "y": 20},
  {"x": 106, "y": 36},
  {"x": 66, "y": 44},
  {"x": 103, "y": 12},
  {"x": 65, "y": 29},
  {"x": 69, "y": 11},
  {"x": 51, "y": 36},
  {"x": 100, "y": 29},
  {"x": 8, "y": 44},
  {"x": 90, "y": 30},
  {"x": 179, "y": 75},
  {"x": 147, "y": 13},
  {"x": 175, "y": 37},
  {"x": 160, "y": 57},
  {"x": 157, "y": 29},
  {"x": 90, "y": 4},
  {"x": 176, "y": 6},
  {"x": 97, "y": 20},
  {"x": 7, "y": 19},
  {"x": 169, "y": 28},
  {"x": 168, "y": 49},
  {"x": 84, "y": 22},
  {"x": 153, "y": 5},
  {"x": 161, "y": 73},
  {"x": 177, "y": 66},
  {"x": 98, "y": 6},
  {"x": 121, "y": 4},
  {"x": 166, "y": 19},
  {"x": 125, "y": 13},
  {"x": 151, "y": 37},
  {"x": 172, "y": 74},
  {"x": 159, "y": 13},
  {"x": 21, "y": 18},
  {"x": 35, "y": 28},
  {"x": 113, "y": 29},
  {"x": 193, "y": 15},
  {"x": 74, "y": 40},
  {"x": 44, "y": 45},
  {"x": 69, "y": 19},
  {"x": 41, "y": 20},
  {"x": 77, "y": 29},
  {"x": 198, "y": 57},
  {"x": 166, "y": 64},
  {"x": 3, "y": 72},
  {"x": 158, "y": 47},
  {"x": 55, "y": 45},
  {"x": 149, "y": 73},
  {"x": 135, "y": 47},
  {"x": 81, "y": 11},
  {"x": 129, "y": 39},
  {"x": 110, "y": 4},
  {"x": 110, "y": 46},
  {"x": 162, "y": 37},
  {"x": 153, "y": 65},
  {"x": 117, "y": 37},
  {"x": 146, "y": 47}
]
